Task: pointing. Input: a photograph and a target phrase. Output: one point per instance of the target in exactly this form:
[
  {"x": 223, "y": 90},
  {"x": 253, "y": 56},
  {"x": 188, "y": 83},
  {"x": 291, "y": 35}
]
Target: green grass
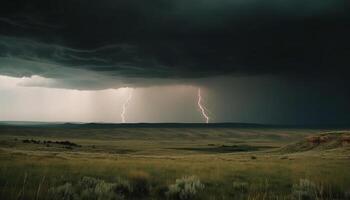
[{"x": 231, "y": 163}]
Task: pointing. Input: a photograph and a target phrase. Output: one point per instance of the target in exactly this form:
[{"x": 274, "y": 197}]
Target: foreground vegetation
[{"x": 173, "y": 163}]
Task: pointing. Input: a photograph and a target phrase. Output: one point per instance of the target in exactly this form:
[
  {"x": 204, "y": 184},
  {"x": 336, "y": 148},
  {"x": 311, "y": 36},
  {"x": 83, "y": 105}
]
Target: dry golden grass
[{"x": 29, "y": 170}]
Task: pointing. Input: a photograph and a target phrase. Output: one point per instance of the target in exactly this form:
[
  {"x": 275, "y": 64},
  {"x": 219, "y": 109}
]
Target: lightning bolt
[
  {"x": 125, "y": 105},
  {"x": 201, "y": 107}
]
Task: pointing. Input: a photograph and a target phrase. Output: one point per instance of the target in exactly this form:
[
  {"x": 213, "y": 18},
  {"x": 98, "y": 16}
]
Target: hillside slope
[{"x": 320, "y": 142}]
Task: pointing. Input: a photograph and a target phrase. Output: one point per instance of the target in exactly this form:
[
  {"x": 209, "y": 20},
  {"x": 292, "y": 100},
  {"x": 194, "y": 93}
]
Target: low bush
[
  {"x": 241, "y": 187},
  {"x": 89, "y": 188},
  {"x": 185, "y": 188},
  {"x": 140, "y": 183},
  {"x": 63, "y": 192},
  {"x": 305, "y": 190}
]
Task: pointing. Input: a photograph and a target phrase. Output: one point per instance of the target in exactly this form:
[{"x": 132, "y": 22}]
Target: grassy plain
[{"x": 230, "y": 162}]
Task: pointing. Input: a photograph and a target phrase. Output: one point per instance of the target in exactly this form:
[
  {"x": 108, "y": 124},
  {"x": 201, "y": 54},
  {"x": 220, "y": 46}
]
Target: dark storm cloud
[{"x": 136, "y": 40}]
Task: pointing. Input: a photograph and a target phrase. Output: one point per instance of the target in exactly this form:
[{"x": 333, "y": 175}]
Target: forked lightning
[
  {"x": 202, "y": 108},
  {"x": 125, "y": 106}
]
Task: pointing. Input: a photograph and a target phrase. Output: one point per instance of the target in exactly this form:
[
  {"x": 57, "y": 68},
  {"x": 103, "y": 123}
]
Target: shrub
[
  {"x": 86, "y": 188},
  {"x": 63, "y": 192},
  {"x": 305, "y": 190},
  {"x": 140, "y": 183},
  {"x": 241, "y": 187},
  {"x": 104, "y": 190},
  {"x": 185, "y": 188},
  {"x": 160, "y": 191},
  {"x": 87, "y": 185},
  {"x": 87, "y": 182},
  {"x": 122, "y": 187},
  {"x": 89, "y": 188}
]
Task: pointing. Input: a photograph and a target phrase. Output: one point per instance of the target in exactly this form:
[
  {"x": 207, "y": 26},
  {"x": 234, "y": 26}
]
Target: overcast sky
[{"x": 264, "y": 61}]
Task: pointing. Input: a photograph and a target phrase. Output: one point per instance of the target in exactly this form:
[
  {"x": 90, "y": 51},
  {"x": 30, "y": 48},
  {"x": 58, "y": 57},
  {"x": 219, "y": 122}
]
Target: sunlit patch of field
[{"x": 230, "y": 163}]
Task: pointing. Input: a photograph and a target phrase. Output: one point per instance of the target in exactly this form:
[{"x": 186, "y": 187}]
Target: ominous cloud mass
[
  {"x": 270, "y": 61},
  {"x": 113, "y": 43}
]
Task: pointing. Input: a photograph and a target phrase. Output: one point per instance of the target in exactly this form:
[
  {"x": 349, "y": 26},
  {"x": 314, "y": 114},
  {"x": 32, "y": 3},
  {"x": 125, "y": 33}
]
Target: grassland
[{"x": 37, "y": 162}]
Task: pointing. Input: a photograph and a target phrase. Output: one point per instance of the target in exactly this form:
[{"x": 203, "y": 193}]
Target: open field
[{"x": 173, "y": 162}]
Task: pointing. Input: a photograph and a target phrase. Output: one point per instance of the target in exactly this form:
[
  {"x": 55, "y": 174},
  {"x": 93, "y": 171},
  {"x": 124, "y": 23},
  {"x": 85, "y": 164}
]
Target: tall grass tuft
[
  {"x": 39, "y": 188},
  {"x": 21, "y": 192}
]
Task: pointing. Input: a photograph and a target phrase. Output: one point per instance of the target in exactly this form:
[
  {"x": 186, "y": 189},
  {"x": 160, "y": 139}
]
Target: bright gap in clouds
[{"x": 152, "y": 104}]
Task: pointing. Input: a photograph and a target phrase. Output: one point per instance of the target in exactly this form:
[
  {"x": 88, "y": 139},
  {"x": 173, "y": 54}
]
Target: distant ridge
[
  {"x": 164, "y": 125},
  {"x": 26, "y": 123},
  {"x": 161, "y": 125},
  {"x": 130, "y": 125}
]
